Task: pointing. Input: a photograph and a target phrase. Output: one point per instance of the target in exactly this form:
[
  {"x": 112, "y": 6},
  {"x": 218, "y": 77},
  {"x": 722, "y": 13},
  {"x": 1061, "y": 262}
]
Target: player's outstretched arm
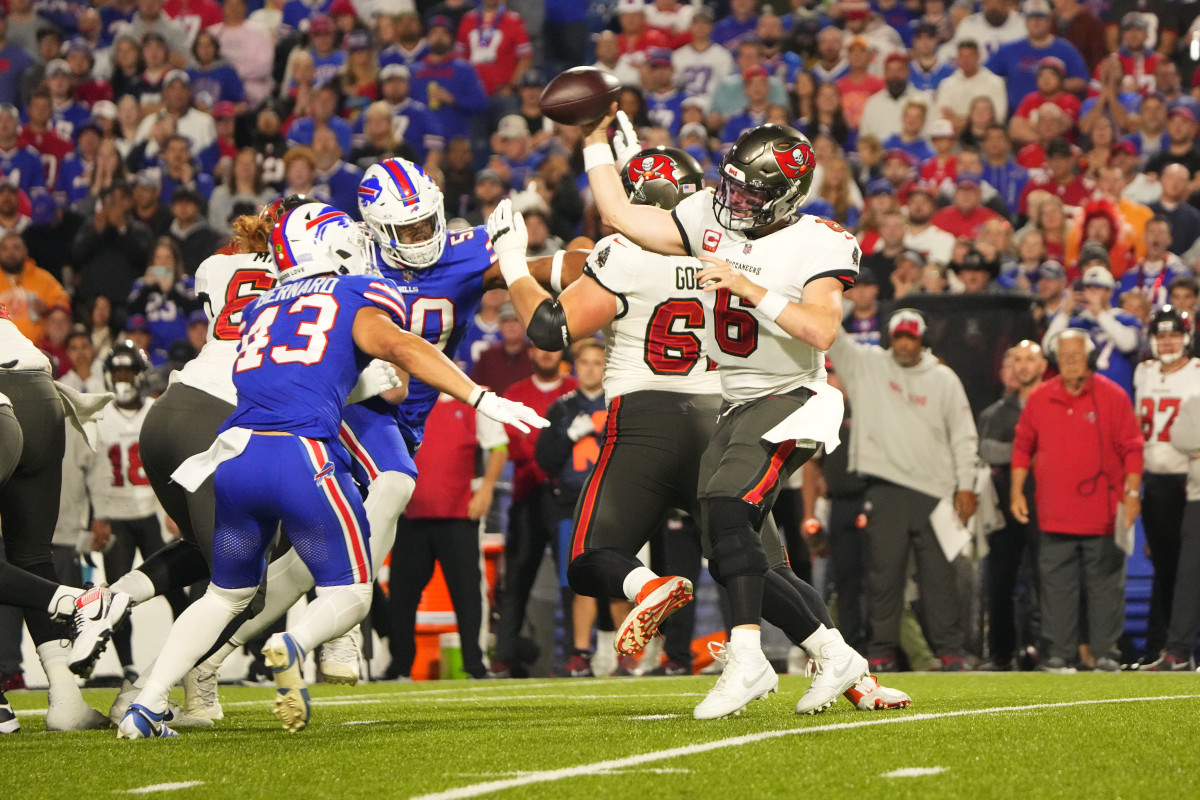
[
  {"x": 649, "y": 227},
  {"x": 379, "y": 337},
  {"x": 582, "y": 309},
  {"x": 816, "y": 321}
]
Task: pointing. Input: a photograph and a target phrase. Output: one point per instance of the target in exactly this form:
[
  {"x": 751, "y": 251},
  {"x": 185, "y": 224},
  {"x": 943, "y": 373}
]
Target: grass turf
[{"x": 417, "y": 739}]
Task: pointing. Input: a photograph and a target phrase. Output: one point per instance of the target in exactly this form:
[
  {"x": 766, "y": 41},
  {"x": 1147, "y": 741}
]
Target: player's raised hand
[
  {"x": 506, "y": 228},
  {"x": 600, "y": 126},
  {"x": 509, "y": 412},
  {"x": 625, "y": 140}
]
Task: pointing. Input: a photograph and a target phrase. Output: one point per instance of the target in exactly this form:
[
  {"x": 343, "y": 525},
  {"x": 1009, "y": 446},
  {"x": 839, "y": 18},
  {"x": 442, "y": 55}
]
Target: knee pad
[
  {"x": 234, "y": 601},
  {"x": 736, "y": 546}
]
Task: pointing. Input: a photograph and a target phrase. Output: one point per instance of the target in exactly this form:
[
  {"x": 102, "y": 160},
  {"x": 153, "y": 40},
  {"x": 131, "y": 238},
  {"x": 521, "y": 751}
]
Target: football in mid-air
[{"x": 579, "y": 96}]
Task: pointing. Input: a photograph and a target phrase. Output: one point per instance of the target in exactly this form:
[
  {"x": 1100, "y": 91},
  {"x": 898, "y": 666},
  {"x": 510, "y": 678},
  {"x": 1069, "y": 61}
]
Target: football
[{"x": 579, "y": 96}]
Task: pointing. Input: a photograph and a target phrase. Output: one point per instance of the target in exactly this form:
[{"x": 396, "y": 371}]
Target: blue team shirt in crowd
[
  {"x": 296, "y": 12},
  {"x": 665, "y": 110},
  {"x": 918, "y": 148},
  {"x": 1016, "y": 62},
  {"x": 478, "y": 337},
  {"x": 301, "y": 132},
  {"x": 1155, "y": 288},
  {"x": 459, "y": 79},
  {"x": 339, "y": 187},
  {"x": 297, "y": 361},
  {"x": 441, "y": 300},
  {"x": 1111, "y": 362},
  {"x": 22, "y": 167},
  {"x": 1008, "y": 180},
  {"x": 73, "y": 180},
  {"x": 414, "y": 124},
  {"x": 217, "y": 83}
]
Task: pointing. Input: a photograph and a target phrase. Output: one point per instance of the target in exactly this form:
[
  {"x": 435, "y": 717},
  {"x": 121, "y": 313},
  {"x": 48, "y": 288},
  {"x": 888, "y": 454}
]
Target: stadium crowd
[{"x": 1045, "y": 152}]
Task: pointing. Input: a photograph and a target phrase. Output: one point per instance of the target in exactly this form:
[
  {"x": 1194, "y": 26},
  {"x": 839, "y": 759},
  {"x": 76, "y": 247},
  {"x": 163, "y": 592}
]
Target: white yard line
[
  {"x": 161, "y": 787},
  {"x": 601, "y": 767},
  {"x": 914, "y": 772},
  {"x": 654, "y": 716}
]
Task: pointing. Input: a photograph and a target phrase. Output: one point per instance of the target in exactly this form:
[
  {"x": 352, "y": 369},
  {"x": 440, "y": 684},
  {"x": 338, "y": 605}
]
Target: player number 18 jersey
[{"x": 756, "y": 357}]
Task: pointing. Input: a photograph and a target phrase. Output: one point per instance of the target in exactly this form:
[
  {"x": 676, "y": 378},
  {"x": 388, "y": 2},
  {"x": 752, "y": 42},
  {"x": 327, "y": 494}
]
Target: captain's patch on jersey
[{"x": 711, "y": 240}]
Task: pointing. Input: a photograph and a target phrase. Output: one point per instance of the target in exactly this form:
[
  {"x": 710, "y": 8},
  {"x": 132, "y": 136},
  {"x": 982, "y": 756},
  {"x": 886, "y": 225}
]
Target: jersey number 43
[{"x": 313, "y": 332}]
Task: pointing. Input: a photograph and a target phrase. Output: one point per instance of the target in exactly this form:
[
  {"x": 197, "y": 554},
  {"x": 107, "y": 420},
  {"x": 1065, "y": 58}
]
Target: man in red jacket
[{"x": 1085, "y": 435}]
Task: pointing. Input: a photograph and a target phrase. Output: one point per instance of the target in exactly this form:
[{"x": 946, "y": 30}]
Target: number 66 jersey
[{"x": 756, "y": 357}]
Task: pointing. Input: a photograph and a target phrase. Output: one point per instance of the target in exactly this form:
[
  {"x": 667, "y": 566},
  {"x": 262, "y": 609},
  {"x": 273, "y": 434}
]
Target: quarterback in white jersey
[
  {"x": 1161, "y": 386},
  {"x": 766, "y": 291}
]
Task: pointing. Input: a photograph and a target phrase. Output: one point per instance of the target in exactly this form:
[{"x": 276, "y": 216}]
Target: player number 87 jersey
[{"x": 756, "y": 357}]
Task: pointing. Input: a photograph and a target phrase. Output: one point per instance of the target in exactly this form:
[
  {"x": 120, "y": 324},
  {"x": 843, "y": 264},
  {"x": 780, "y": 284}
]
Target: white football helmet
[
  {"x": 316, "y": 239},
  {"x": 403, "y": 208}
]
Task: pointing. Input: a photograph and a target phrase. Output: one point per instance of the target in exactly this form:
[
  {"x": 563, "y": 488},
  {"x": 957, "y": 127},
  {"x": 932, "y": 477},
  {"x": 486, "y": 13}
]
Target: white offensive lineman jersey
[
  {"x": 657, "y": 340},
  {"x": 228, "y": 283},
  {"x": 116, "y": 482},
  {"x": 17, "y": 352},
  {"x": 1159, "y": 397},
  {"x": 756, "y": 357}
]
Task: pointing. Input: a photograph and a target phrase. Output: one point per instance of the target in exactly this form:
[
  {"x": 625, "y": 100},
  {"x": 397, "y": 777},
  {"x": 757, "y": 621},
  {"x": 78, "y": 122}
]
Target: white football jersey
[
  {"x": 17, "y": 352},
  {"x": 1158, "y": 399},
  {"x": 228, "y": 283},
  {"x": 116, "y": 481},
  {"x": 657, "y": 340},
  {"x": 755, "y": 356}
]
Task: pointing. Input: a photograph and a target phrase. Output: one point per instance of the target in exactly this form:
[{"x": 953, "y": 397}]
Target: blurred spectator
[
  {"x": 610, "y": 59},
  {"x": 1173, "y": 206},
  {"x": 1059, "y": 179},
  {"x": 156, "y": 65},
  {"x": 359, "y": 78},
  {"x": 324, "y": 115},
  {"x": 164, "y": 295},
  {"x": 910, "y": 136},
  {"x": 483, "y": 330},
  {"x": 966, "y": 216},
  {"x": 975, "y": 272},
  {"x": 124, "y": 66},
  {"x": 1114, "y": 335},
  {"x": 1137, "y": 59},
  {"x": 863, "y": 319},
  {"x": 529, "y": 92},
  {"x": 268, "y": 141},
  {"x": 193, "y": 15},
  {"x": 515, "y": 160},
  {"x": 148, "y": 206},
  {"x": 942, "y": 165},
  {"x": 1011, "y": 613},
  {"x": 50, "y": 234},
  {"x": 1180, "y": 147},
  {"x": 1050, "y": 77},
  {"x": 14, "y": 61},
  {"x": 861, "y": 20},
  {"x": 830, "y": 63},
  {"x": 541, "y": 242},
  {"x": 49, "y": 45},
  {"x": 927, "y": 70},
  {"x": 150, "y": 18},
  {"x": 178, "y": 171},
  {"x": 24, "y": 24},
  {"x": 1184, "y": 293},
  {"x": 213, "y": 79},
  {"x": 701, "y": 63},
  {"x": 412, "y": 122},
  {"x": 57, "y": 326},
  {"x": 1079, "y": 431},
  {"x": 27, "y": 290},
  {"x": 196, "y": 125},
  {"x": 754, "y": 113},
  {"x": 78, "y": 167},
  {"x": 379, "y": 140},
  {"x": 327, "y": 58},
  {"x": 839, "y": 190},
  {"x": 999, "y": 169},
  {"x": 101, "y": 323},
  {"x": 1154, "y": 274},
  {"x": 409, "y": 47},
  {"x": 490, "y": 189},
  {"x": 66, "y": 113},
  {"x": 335, "y": 179},
  {"x": 493, "y": 39},
  {"x": 20, "y": 165},
  {"x": 190, "y": 228},
  {"x": 729, "y": 97},
  {"x": 921, "y": 235},
  {"x": 1150, "y": 137},
  {"x": 11, "y": 218},
  {"x": 857, "y": 84},
  {"x": 40, "y": 134},
  {"x": 1018, "y": 61},
  {"x": 1100, "y": 222},
  {"x": 446, "y": 84},
  {"x": 664, "y": 103},
  {"x": 242, "y": 192},
  {"x": 86, "y": 374},
  {"x": 882, "y": 113},
  {"x": 88, "y": 89},
  {"x": 1115, "y": 98},
  {"x": 248, "y": 47},
  {"x": 996, "y": 23},
  {"x": 917, "y": 449},
  {"x": 300, "y": 171},
  {"x": 111, "y": 248},
  {"x": 270, "y": 17},
  {"x": 508, "y": 361}
]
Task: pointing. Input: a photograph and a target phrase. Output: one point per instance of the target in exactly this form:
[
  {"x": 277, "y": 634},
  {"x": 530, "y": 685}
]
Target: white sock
[
  {"x": 55, "y": 658},
  {"x": 136, "y": 584},
  {"x": 746, "y": 637},
  {"x": 145, "y": 674},
  {"x": 386, "y": 500},
  {"x": 635, "y": 580},
  {"x": 215, "y": 661},
  {"x": 336, "y": 610},
  {"x": 63, "y": 602},
  {"x": 193, "y": 633},
  {"x": 819, "y": 638},
  {"x": 287, "y": 581}
]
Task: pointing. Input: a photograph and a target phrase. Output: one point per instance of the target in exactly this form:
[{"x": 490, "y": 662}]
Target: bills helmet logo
[
  {"x": 655, "y": 167},
  {"x": 369, "y": 190},
  {"x": 796, "y": 160}
]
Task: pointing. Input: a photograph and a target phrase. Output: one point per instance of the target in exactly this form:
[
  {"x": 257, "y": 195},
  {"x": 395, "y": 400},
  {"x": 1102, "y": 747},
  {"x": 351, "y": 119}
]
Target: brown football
[{"x": 579, "y": 96}]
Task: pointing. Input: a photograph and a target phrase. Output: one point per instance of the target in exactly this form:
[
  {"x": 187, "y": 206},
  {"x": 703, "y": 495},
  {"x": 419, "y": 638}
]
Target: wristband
[
  {"x": 513, "y": 267},
  {"x": 598, "y": 155},
  {"x": 476, "y": 396},
  {"x": 772, "y": 304},
  {"x": 1133, "y": 493},
  {"x": 556, "y": 266}
]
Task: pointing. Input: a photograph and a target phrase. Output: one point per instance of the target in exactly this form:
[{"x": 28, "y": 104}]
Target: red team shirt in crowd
[
  {"x": 446, "y": 464},
  {"x": 1069, "y": 103},
  {"x": 953, "y": 221},
  {"x": 493, "y": 43},
  {"x": 854, "y": 95},
  {"x": 50, "y": 146},
  {"x": 527, "y": 475}
]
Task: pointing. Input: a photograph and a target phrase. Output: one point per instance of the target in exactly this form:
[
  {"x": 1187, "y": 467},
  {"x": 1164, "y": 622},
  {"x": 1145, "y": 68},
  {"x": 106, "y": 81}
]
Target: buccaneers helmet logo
[
  {"x": 796, "y": 161},
  {"x": 655, "y": 167}
]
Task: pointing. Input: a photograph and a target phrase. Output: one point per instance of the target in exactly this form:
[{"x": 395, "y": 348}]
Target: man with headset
[{"x": 1085, "y": 435}]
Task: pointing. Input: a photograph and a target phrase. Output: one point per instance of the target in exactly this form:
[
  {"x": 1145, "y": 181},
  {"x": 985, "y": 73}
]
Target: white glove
[
  {"x": 625, "y": 141},
  {"x": 519, "y": 415},
  {"x": 581, "y": 426},
  {"x": 378, "y": 377},
  {"x": 510, "y": 240},
  {"x": 83, "y": 543}
]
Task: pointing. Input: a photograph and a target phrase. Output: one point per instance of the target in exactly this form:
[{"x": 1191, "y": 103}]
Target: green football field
[{"x": 968, "y": 736}]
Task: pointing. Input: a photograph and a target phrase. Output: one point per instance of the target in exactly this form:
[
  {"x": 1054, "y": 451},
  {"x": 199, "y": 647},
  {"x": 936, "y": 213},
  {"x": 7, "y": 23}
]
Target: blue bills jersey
[
  {"x": 441, "y": 301},
  {"x": 297, "y": 361}
]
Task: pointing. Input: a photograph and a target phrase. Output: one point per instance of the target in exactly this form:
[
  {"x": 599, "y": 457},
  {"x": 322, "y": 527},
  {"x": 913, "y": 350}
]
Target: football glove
[
  {"x": 518, "y": 415},
  {"x": 506, "y": 228},
  {"x": 625, "y": 141},
  {"x": 378, "y": 377}
]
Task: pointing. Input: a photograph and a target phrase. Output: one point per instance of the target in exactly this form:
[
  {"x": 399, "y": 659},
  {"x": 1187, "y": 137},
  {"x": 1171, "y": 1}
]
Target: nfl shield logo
[
  {"x": 746, "y": 248},
  {"x": 408, "y": 275}
]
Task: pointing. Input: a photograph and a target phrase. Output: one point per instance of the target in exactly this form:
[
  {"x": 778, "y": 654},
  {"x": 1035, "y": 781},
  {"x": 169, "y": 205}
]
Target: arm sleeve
[
  {"x": 848, "y": 356},
  {"x": 1124, "y": 337},
  {"x": 964, "y": 439}
]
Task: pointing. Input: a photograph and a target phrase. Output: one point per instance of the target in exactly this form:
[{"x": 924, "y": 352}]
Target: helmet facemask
[
  {"x": 415, "y": 244},
  {"x": 740, "y": 207}
]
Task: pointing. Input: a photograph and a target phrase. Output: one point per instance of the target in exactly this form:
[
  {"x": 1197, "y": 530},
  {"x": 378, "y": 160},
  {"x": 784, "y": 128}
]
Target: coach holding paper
[{"x": 1082, "y": 429}]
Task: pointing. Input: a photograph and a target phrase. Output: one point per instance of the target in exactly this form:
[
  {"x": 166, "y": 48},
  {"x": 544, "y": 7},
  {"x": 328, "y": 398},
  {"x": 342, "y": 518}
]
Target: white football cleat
[
  {"x": 175, "y": 715},
  {"x": 748, "y": 676},
  {"x": 200, "y": 694},
  {"x": 836, "y": 666},
  {"x": 340, "y": 658},
  {"x": 286, "y": 660},
  {"x": 98, "y": 612},
  {"x": 73, "y": 715},
  {"x": 869, "y": 695},
  {"x": 658, "y": 599}
]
